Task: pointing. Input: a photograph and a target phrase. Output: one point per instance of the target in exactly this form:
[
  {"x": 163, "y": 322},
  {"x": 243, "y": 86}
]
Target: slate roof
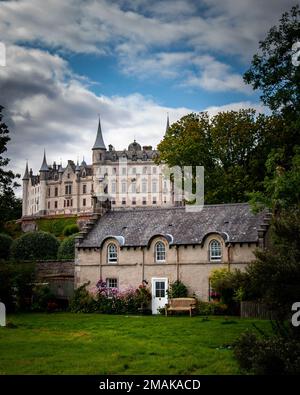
[{"x": 235, "y": 222}]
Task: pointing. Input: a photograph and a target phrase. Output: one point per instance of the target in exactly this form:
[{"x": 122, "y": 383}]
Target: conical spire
[
  {"x": 44, "y": 164},
  {"x": 99, "y": 143},
  {"x": 26, "y": 174},
  {"x": 168, "y": 123}
]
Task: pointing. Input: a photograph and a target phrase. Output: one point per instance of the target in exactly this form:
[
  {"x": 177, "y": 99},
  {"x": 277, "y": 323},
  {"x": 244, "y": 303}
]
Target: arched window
[
  {"x": 160, "y": 252},
  {"x": 215, "y": 250},
  {"x": 112, "y": 253}
]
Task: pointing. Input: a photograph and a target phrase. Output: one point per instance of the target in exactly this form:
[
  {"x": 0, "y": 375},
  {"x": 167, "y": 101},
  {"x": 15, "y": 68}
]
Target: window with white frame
[
  {"x": 215, "y": 250},
  {"x": 112, "y": 283},
  {"x": 124, "y": 189},
  {"x": 112, "y": 253},
  {"x": 160, "y": 252}
]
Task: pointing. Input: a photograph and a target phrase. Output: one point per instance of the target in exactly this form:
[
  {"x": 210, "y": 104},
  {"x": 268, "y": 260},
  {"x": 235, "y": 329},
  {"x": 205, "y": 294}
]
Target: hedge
[
  {"x": 55, "y": 226},
  {"x": 70, "y": 230},
  {"x": 5, "y": 243},
  {"x": 35, "y": 246},
  {"x": 66, "y": 249}
]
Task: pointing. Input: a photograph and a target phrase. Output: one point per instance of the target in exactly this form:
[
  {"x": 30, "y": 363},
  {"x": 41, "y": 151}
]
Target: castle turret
[
  {"x": 25, "y": 191},
  {"x": 44, "y": 170},
  {"x": 168, "y": 123},
  {"x": 99, "y": 147}
]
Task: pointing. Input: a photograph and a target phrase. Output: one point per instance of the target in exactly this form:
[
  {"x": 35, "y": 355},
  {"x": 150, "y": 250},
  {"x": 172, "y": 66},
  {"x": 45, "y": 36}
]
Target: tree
[
  {"x": 272, "y": 70},
  {"x": 232, "y": 146},
  {"x": 9, "y": 204}
]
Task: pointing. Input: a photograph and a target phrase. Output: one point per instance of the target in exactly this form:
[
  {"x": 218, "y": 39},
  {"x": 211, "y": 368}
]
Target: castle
[{"x": 128, "y": 178}]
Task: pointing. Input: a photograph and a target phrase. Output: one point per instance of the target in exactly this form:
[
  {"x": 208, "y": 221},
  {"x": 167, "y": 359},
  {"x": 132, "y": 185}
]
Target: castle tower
[
  {"x": 99, "y": 147},
  {"x": 44, "y": 170},
  {"x": 25, "y": 191}
]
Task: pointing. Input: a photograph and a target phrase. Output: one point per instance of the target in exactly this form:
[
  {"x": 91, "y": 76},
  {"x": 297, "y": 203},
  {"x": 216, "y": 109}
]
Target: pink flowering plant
[{"x": 129, "y": 300}]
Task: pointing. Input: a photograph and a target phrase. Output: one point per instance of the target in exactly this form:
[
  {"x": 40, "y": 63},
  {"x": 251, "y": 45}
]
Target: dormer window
[
  {"x": 215, "y": 250},
  {"x": 160, "y": 252},
  {"x": 112, "y": 253}
]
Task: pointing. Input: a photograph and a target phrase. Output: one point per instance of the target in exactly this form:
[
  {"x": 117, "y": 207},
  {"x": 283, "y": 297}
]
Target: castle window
[
  {"x": 154, "y": 170},
  {"x": 84, "y": 202},
  {"x": 123, "y": 171},
  {"x": 124, "y": 187},
  {"x": 144, "y": 201},
  {"x": 84, "y": 188},
  {"x": 154, "y": 186},
  {"x": 144, "y": 187},
  {"x": 68, "y": 189},
  {"x": 144, "y": 170},
  {"x": 133, "y": 170},
  {"x": 133, "y": 200},
  {"x": 215, "y": 250},
  {"x": 56, "y": 191},
  {"x": 160, "y": 252},
  {"x": 123, "y": 201},
  {"x": 68, "y": 175},
  {"x": 49, "y": 192},
  {"x": 133, "y": 187},
  {"x": 112, "y": 253},
  {"x": 100, "y": 156},
  {"x": 48, "y": 205},
  {"x": 154, "y": 201},
  {"x": 55, "y": 204},
  {"x": 113, "y": 187}
]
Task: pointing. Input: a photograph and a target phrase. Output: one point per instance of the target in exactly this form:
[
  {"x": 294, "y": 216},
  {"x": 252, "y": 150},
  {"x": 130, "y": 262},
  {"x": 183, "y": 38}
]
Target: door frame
[{"x": 153, "y": 279}]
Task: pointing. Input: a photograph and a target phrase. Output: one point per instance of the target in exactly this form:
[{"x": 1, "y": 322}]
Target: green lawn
[{"x": 65, "y": 343}]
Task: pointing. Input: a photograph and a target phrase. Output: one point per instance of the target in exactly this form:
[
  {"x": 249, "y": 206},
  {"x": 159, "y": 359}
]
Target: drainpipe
[
  {"x": 100, "y": 264},
  {"x": 229, "y": 255},
  {"x": 143, "y": 264},
  {"x": 177, "y": 262}
]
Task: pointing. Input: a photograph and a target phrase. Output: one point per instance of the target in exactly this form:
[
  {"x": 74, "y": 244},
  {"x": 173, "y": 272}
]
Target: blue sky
[{"x": 132, "y": 61}]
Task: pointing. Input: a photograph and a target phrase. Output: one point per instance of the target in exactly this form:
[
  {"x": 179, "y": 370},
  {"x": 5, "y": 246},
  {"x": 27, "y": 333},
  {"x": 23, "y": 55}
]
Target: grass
[{"x": 65, "y": 343}]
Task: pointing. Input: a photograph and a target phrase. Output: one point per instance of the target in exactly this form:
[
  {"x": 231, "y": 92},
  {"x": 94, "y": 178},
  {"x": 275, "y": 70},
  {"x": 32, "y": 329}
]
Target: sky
[{"x": 131, "y": 61}]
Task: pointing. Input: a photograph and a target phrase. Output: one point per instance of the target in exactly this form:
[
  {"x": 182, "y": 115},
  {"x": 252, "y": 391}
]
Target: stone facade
[
  {"x": 193, "y": 245},
  {"x": 128, "y": 178}
]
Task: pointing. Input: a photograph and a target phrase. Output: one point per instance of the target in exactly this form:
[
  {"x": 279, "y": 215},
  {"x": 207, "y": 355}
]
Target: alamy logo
[
  {"x": 182, "y": 183},
  {"x": 296, "y": 315}
]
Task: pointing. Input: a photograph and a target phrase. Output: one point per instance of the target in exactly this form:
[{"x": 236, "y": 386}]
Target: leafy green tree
[
  {"x": 232, "y": 146},
  {"x": 10, "y": 206},
  {"x": 272, "y": 69},
  {"x": 35, "y": 246}
]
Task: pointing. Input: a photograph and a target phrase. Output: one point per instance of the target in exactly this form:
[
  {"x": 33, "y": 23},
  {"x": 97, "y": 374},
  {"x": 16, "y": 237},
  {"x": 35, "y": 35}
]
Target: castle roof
[
  {"x": 99, "y": 143},
  {"x": 44, "y": 166},
  {"x": 234, "y": 222}
]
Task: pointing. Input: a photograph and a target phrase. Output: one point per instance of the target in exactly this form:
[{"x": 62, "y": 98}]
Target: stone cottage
[{"x": 126, "y": 247}]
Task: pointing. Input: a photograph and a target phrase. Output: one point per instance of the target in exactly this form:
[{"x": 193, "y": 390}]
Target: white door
[{"x": 159, "y": 294}]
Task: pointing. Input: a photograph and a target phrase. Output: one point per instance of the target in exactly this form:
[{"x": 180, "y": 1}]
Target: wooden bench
[{"x": 181, "y": 304}]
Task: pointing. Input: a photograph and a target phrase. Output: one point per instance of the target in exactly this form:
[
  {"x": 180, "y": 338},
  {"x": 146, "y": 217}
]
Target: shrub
[
  {"x": 42, "y": 297},
  {"x": 177, "y": 290},
  {"x": 110, "y": 300},
  {"x": 16, "y": 285},
  {"x": 272, "y": 355},
  {"x": 83, "y": 301},
  {"x": 35, "y": 245},
  {"x": 70, "y": 230},
  {"x": 13, "y": 229},
  {"x": 66, "y": 249},
  {"x": 55, "y": 225},
  {"x": 5, "y": 243},
  {"x": 212, "y": 308}
]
